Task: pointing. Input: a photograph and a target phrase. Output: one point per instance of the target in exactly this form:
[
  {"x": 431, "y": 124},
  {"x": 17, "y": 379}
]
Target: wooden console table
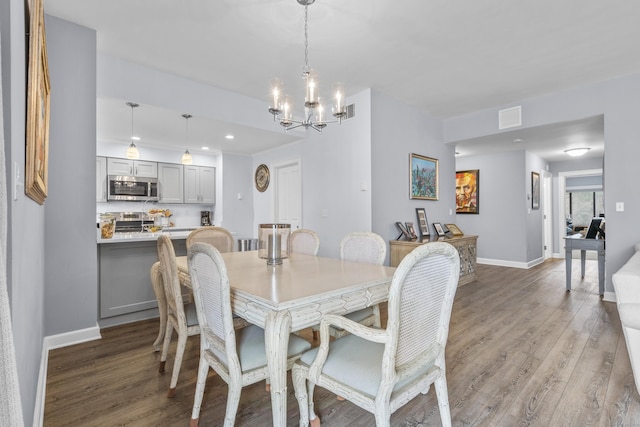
[{"x": 466, "y": 246}]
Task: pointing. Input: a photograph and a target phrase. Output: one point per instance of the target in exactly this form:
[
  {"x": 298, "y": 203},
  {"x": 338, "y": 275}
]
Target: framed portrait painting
[
  {"x": 423, "y": 177},
  {"x": 38, "y": 99},
  {"x": 468, "y": 191},
  {"x": 535, "y": 190}
]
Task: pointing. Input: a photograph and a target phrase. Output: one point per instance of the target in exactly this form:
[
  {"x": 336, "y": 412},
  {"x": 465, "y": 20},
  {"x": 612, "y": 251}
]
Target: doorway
[{"x": 562, "y": 189}]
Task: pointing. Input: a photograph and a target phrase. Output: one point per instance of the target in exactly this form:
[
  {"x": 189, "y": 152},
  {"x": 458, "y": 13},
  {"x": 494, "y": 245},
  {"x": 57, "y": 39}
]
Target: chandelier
[{"x": 314, "y": 112}]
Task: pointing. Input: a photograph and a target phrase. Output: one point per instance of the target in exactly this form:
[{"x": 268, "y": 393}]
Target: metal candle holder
[{"x": 273, "y": 242}]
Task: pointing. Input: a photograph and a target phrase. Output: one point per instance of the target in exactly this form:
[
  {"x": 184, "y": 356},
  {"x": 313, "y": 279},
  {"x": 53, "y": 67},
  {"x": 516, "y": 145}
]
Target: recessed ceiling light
[
  {"x": 518, "y": 140},
  {"x": 205, "y": 148},
  {"x": 576, "y": 152},
  {"x": 229, "y": 136},
  {"x": 135, "y": 138}
]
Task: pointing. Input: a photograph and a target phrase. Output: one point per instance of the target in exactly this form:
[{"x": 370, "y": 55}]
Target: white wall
[{"x": 335, "y": 166}]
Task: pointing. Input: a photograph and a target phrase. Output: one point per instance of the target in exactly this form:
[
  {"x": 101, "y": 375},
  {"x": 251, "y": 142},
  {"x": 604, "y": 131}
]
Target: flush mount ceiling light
[
  {"x": 314, "y": 115},
  {"x": 132, "y": 151},
  {"x": 577, "y": 152},
  {"x": 186, "y": 157}
]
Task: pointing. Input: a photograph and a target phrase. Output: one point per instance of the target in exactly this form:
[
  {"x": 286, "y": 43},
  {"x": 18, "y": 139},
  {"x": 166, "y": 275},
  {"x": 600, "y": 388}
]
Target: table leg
[
  {"x": 567, "y": 261},
  {"x": 277, "y": 330},
  {"x": 583, "y": 259},
  {"x": 601, "y": 271}
]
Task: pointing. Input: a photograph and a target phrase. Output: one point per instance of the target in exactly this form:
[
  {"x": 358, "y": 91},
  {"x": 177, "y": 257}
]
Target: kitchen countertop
[{"x": 174, "y": 233}]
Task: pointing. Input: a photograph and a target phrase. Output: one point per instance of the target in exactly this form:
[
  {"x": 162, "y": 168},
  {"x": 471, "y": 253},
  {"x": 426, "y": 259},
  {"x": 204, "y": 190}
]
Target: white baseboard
[
  {"x": 502, "y": 263},
  {"x": 609, "y": 297},
  {"x": 49, "y": 343}
]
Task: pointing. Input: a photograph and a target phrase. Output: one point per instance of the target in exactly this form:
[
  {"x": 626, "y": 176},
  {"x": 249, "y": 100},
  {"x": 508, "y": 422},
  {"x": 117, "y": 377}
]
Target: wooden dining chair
[
  {"x": 304, "y": 241},
  {"x": 219, "y": 237},
  {"x": 380, "y": 370},
  {"x": 179, "y": 317},
  {"x": 361, "y": 247},
  {"x": 237, "y": 355}
]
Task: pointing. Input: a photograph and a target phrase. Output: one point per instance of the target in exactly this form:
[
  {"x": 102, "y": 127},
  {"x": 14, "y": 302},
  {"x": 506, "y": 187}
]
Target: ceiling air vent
[{"x": 510, "y": 117}]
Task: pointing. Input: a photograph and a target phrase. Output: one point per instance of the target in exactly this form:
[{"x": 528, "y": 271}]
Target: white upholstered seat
[
  {"x": 304, "y": 241},
  {"x": 382, "y": 369},
  {"x": 179, "y": 317},
  {"x": 238, "y": 356}
]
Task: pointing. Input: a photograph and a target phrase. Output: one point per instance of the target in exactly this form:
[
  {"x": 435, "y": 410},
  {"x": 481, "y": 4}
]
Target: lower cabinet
[
  {"x": 466, "y": 246},
  {"x": 125, "y": 282}
]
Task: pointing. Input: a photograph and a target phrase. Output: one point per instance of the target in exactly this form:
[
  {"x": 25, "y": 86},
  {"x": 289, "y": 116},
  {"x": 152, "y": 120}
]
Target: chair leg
[
  {"x": 165, "y": 347},
  {"x": 177, "y": 363},
  {"x": 203, "y": 370},
  {"x": 233, "y": 400},
  {"x": 299, "y": 378},
  {"x": 314, "y": 420},
  {"x": 443, "y": 400}
]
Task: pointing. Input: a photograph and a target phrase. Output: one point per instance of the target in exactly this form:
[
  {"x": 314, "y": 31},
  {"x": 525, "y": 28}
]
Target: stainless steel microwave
[{"x": 132, "y": 188}]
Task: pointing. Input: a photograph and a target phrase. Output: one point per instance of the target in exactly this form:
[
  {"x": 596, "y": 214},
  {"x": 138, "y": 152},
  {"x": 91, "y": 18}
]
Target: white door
[{"x": 288, "y": 194}]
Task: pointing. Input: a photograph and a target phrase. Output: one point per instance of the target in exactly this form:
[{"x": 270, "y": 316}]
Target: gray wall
[
  {"x": 501, "y": 223},
  {"x": 70, "y": 224},
  {"x": 619, "y": 101},
  {"x": 396, "y": 131}
]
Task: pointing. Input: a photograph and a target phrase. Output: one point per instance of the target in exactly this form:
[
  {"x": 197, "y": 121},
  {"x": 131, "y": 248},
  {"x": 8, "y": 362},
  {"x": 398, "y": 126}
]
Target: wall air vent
[
  {"x": 351, "y": 111},
  {"x": 510, "y": 117}
]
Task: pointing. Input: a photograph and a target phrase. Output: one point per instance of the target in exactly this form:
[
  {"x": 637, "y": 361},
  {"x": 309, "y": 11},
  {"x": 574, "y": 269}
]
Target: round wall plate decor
[{"x": 262, "y": 177}]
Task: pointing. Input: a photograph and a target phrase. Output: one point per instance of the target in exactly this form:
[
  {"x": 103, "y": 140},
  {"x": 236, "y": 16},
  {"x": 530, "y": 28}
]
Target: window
[{"x": 581, "y": 206}]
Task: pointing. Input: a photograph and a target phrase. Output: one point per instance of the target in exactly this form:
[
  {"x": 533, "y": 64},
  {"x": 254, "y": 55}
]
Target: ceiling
[{"x": 444, "y": 57}]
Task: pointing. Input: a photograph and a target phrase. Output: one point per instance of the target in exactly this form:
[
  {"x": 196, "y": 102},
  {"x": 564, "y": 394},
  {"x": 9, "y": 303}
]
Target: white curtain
[{"x": 10, "y": 406}]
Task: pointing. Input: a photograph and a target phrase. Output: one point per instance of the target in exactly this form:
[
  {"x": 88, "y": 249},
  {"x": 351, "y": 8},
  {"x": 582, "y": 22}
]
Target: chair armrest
[
  {"x": 355, "y": 328},
  {"x": 630, "y": 315}
]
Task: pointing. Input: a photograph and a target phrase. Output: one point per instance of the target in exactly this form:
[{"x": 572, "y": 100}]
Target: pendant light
[
  {"x": 132, "y": 151},
  {"x": 186, "y": 157}
]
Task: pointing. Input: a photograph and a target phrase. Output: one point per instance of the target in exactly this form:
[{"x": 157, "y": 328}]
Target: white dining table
[{"x": 292, "y": 296}]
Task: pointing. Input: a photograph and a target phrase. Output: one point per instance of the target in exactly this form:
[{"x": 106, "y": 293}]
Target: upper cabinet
[
  {"x": 199, "y": 184},
  {"x": 132, "y": 167},
  {"x": 101, "y": 179},
  {"x": 170, "y": 183}
]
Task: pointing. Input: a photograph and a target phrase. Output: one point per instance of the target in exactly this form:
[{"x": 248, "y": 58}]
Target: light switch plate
[{"x": 619, "y": 206}]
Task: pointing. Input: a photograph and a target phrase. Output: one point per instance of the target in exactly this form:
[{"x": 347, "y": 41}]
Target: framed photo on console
[
  {"x": 439, "y": 229},
  {"x": 423, "y": 225},
  {"x": 454, "y": 230}
]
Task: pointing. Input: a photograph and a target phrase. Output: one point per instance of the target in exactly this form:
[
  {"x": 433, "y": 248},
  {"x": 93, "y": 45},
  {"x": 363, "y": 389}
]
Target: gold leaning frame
[{"x": 38, "y": 106}]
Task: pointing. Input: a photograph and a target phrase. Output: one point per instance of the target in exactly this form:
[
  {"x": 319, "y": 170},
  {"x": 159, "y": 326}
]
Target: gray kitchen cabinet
[
  {"x": 101, "y": 179},
  {"x": 199, "y": 184},
  {"x": 124, "y": 273},
  {"x": 170, "y": 183},
  {"x": 129, "y": 167}
]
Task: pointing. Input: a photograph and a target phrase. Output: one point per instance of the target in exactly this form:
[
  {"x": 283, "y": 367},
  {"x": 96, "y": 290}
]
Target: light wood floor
[{"x": 521, "y": 351}]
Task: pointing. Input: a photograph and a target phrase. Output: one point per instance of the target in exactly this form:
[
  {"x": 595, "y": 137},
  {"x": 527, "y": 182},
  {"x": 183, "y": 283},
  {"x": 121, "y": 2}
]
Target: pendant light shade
[
  {"x": 132, "y": 151},
  {"x": 186, "y": 157}
]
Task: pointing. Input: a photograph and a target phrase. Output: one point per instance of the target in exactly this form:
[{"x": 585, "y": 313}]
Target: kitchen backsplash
[{"x": 182, "y": 215}]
